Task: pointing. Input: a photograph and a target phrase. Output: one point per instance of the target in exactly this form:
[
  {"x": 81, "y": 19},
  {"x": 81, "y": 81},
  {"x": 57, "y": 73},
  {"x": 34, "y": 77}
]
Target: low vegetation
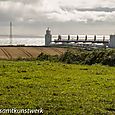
[
  {"x": 80, "y": 56},
  {"x": 58, "y": 88}
]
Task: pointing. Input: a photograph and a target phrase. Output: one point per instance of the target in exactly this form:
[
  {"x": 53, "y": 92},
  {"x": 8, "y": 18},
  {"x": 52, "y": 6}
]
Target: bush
[
  {"x": 110, "y": 60},
  {"x": 105, "y": 57},
  {"x": 42, "y": 57},
  {"x": 68, "y": 57},
  {"x": 45, "y": 57}
]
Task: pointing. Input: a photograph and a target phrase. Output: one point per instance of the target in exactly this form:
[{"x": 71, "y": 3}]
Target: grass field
[{"x": 60, "y": 89}]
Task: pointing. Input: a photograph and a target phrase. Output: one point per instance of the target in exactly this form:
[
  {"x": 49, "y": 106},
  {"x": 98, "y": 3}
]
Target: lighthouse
[{"x": 48, "y": 37}]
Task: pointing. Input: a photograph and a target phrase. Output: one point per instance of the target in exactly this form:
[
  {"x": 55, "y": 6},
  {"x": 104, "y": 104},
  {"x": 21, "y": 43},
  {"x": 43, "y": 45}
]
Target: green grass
[{"x": 60, "y": 89}]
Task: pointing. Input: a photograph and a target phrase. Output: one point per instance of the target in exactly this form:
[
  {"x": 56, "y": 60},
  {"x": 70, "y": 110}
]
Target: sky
[{"x": 32, "y": 17}]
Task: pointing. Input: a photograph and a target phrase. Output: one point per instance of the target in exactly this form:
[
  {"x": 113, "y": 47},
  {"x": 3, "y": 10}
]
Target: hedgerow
[{"x": 98, "y": 56}]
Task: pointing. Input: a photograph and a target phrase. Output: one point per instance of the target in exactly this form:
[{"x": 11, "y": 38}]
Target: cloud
[
  {"x": 31, "y": 11},
  {"x": 19, "y": 10},
  {"x": 80, "y": 10}
]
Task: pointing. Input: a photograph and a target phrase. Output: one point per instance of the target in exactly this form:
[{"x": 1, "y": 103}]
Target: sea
[
  {"x": 22, "y": 40},
  {"x": 40, "y": 40}
]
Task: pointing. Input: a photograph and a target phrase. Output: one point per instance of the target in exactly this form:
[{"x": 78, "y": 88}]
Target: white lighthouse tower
[{"x": 48, "y": 37}]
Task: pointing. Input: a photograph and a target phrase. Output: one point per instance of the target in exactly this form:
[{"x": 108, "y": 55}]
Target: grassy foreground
[{"x": 60, "y": 89}]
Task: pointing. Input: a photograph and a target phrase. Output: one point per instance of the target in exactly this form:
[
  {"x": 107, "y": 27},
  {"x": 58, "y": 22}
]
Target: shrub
[
  {"x": 68, "y": 57},
  {"x": 110, "y": 60},
  {"x": 42, "y": 57},
  {"x": 105, "y": 57}
]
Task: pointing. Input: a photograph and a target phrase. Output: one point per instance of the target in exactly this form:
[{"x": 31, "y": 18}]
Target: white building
[
  {"x": 112, "y": 41},
  {"x": 48, "y": 37}
]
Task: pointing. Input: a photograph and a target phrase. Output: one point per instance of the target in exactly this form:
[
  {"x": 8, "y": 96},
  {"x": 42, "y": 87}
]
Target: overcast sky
[{"x": 62, "y": 16}]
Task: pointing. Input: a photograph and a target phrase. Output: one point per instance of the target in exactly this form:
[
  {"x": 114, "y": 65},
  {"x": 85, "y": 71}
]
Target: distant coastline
[{"x": 22, "y": 36}]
